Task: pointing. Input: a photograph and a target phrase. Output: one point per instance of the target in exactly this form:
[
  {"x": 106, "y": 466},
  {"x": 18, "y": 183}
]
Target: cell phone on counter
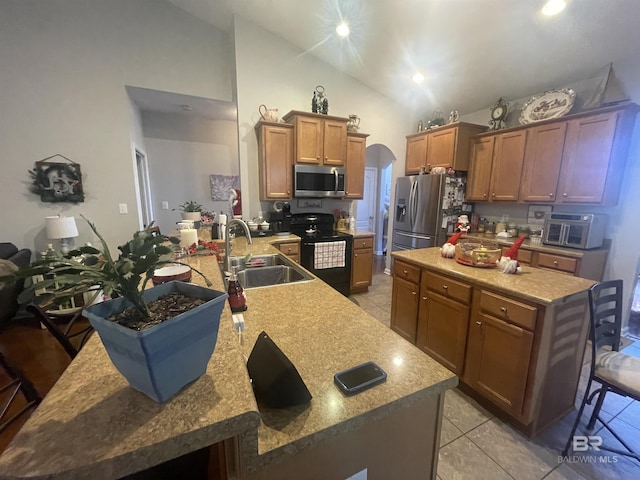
[{"x": 359, "y": 378}]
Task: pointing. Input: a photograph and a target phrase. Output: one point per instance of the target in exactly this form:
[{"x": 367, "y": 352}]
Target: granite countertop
[
  {"x": 532, "y": 284},
  {"x": 357, "y": 233},
  {"x": 92, "y": 425}
]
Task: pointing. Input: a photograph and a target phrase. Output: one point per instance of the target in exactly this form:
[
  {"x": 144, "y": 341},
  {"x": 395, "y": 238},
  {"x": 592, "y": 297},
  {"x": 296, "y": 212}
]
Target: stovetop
[{"x": 315, "y": 226}]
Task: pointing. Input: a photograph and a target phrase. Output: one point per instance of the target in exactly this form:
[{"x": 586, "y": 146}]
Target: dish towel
[{"x": 329, "y": 254}]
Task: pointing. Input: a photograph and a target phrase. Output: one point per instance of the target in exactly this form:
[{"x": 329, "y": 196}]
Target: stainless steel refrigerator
[{"x": 426, "y": 208}]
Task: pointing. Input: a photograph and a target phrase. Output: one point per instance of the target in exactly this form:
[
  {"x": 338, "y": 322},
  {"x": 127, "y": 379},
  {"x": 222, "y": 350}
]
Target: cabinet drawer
[
  {"x": 557, "y": 262},
  {"x": 366, "y": 242},
  {"x": 508, "y": 309},
  {"x": 524, "y": 256},
  {"x": 292, "y": 248},
  {"x": 406, "y": 271},
  {"x": 447, "y": 287}
]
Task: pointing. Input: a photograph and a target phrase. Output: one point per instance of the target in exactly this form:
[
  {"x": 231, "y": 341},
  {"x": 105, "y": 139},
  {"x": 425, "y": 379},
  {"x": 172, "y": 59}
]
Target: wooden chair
[
  {"x": 71, "y": 338},
  {"x": 615, "y": 371},
  {"x": 18, "y": 383}
]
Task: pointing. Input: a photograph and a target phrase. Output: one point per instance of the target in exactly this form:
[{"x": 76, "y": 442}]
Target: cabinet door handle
[
  {"x": 326, "y": 158},
  {"x": 424, "y": 298},
  {"x": 317, "y": 157},
  {"x": 555, "y": 263},
  {"x": 493, "y": 194},
  {"x": 478, "y": 323},
  {"x": 405, "y": 272},
  {"x": 503, "y": 309},
  {"x": 355, "y": 254},
  {"x": 446, "y": 287},
  {"x": 484, "y": 195},
  {"x": 414, "y": 293},
  {"x": 564, "y": 195},
  {"x": 551, "y": 195}
]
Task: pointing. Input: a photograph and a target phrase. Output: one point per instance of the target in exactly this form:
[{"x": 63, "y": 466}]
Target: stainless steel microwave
[
  {"x": 575, "y": 230},
  {"x": 310, "y": 181}
]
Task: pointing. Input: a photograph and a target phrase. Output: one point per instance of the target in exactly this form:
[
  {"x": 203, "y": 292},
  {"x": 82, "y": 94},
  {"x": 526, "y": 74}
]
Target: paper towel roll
[
  {"x": 223, "y": 225},
  {"x": 188, "y": 237}
]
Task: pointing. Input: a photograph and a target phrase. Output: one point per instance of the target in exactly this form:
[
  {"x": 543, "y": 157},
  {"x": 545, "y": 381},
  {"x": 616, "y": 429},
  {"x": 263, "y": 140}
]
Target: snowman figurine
[{"x": 463, "y": 225}]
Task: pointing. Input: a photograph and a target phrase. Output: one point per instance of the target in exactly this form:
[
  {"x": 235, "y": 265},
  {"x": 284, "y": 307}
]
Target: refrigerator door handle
[{"x": 412, "y": 205}]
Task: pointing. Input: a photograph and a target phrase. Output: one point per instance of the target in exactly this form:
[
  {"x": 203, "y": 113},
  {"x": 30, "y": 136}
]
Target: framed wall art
[{"x": 57, "y": 181}]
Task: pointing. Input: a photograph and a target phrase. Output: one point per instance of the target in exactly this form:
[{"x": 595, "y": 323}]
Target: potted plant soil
[{"x": 160, "y": 339}]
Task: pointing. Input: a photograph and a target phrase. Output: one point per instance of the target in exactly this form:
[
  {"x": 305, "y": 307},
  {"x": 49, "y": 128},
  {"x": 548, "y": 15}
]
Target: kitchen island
[
  {"x": 92, "y": 425},
  {"x": 515, "y": 340}
]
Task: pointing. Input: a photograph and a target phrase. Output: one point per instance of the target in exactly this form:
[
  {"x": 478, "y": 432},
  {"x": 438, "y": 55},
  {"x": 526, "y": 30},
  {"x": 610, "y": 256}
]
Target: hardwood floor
[{"x": 34, "y": 352}]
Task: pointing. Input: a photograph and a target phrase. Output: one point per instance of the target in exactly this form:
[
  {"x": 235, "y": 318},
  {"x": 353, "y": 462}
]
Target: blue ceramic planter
[{"x": 163, "y": 359}]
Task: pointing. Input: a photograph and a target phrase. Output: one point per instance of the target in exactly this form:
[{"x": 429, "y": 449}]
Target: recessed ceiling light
[
  {"x": 553, "y": 7},
  {"x": 418, "y": 77},
  {"x": 342, "y": 29}
]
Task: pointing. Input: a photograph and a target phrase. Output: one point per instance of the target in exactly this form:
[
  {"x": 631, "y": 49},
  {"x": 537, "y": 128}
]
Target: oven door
[{"x": 339, "y": 277}]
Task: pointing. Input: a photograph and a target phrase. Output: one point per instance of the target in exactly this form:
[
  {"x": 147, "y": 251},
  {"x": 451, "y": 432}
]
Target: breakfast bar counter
[{"x": 93, "y": 425}]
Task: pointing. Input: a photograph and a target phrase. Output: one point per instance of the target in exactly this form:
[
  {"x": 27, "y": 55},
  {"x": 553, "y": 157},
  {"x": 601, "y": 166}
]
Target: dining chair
[
  {"x": 613, "y": 370},
  {"x": 18, "y": 382},
  {"x": 73, "y": 337}
]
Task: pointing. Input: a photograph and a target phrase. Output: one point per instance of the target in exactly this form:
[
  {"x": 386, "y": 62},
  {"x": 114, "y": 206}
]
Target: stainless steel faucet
[{"x": 227, "y": 241}]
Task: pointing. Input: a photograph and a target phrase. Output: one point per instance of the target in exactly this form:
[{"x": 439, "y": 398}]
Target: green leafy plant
[
  {"x": 90, "y": 269},
  {"x": 190, "y": 206}
]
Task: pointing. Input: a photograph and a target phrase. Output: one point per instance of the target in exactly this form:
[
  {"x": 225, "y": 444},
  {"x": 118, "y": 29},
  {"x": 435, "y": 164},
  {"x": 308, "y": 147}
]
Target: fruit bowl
[{"x": 478, "y": 253}]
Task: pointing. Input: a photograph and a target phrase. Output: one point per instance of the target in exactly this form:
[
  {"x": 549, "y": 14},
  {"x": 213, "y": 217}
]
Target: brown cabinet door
[
  {"x": 276, "y": 151},
  {"x": 442, "y": 329},
  {"x": 356, "y": 156},
  {"x": 441, "y": 148},
  {"x": 334, "y": 144},
  {"x": 479, "y": 174},
  {"x": 416, "y": 153},
  {"x": 308, "y": 144},
  {"x": 362, "y": 268},
  {"x": 542, "y": 159},
  {"x": 404, "y": 308},
  {"x": 585, "y": 162},
  {"x": 498, "y": 361},
  {"x": 506, "y": 171}
]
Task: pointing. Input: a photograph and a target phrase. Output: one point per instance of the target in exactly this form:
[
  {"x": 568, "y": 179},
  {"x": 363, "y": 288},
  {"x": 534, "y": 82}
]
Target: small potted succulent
[
  {"x": 160, "y": 339},
  {"x": 191, "y": 211}
]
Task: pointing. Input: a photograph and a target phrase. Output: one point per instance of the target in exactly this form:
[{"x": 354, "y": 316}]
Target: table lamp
[{"x": 61, "y": 228}]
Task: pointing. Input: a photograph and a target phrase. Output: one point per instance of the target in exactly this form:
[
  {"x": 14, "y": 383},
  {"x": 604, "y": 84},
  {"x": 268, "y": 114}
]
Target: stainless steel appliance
[
  {"x": 575, "y": 230},
  {"x": 323, "y": 251},
  {"x": 316, "y": 181},
  {"x": 425, "y": 207}
]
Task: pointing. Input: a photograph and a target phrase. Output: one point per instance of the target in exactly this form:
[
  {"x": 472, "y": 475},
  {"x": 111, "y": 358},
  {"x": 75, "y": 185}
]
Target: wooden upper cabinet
[
  {"x": 479, "y": 176},
  {"x": 446, "y": 146},
  {"x": 506, "y": 170},
  {"x": 587, "y": 154},
  {"x": 275, "y": 152},
  {"x": 542, "y": 159},
  {"x": 416, "y": 153},
  {"x": 319, "y": 140},
  {"x": 441, "y": 148},
  {"x": 356, "y": 157}
]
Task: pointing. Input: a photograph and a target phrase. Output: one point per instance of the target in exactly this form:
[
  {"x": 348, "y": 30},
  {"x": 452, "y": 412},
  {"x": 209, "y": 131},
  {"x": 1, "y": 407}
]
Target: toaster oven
[{"x": 575, "y": 230}]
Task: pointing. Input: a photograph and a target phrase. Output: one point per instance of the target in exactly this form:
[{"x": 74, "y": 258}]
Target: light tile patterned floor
[{"x": 477, "y": 445}]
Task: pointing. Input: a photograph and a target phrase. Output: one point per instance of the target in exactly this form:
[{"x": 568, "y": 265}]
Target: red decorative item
[
  {"x": 237, "y": 206},
  {"x": 448, "y": 250},
  {"x": 509, "y": 261}
]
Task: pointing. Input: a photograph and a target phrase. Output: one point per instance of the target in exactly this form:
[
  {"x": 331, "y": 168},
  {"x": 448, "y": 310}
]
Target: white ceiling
[{"x": 472, "y": 51}]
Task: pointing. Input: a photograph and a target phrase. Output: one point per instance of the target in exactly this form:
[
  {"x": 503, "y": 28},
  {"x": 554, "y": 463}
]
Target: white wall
[
  {"x": 64, "y": 67},
  {"x": 271, "y": 71}
]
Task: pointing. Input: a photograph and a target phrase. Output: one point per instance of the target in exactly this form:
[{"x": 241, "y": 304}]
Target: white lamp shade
[{"x": 61, "y": 227}]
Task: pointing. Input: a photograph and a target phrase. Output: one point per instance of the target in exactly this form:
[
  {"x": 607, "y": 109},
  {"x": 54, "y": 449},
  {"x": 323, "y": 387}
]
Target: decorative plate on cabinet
[{"x": 550, "y": 104}]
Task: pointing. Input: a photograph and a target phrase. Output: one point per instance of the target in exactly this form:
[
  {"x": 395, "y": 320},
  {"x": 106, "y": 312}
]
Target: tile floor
[{"x": 477, "y": 445}]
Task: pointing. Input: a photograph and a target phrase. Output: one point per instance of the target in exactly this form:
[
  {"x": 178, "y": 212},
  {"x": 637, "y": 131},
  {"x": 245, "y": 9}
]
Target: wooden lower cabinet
[
  {"x": 523, "y": 358},
  {"x": 498, "y": 361},
  {"x": 291, "y": 250},
  {"x": 362, "y": 264},
  {"x": 405, "y": 300}
]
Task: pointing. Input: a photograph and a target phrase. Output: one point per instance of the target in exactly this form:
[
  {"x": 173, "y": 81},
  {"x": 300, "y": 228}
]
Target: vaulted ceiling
[{"x": 471, "y": 51}]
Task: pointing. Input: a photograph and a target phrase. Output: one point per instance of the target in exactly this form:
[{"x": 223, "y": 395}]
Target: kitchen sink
[{"x": 267, "y": 271}]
